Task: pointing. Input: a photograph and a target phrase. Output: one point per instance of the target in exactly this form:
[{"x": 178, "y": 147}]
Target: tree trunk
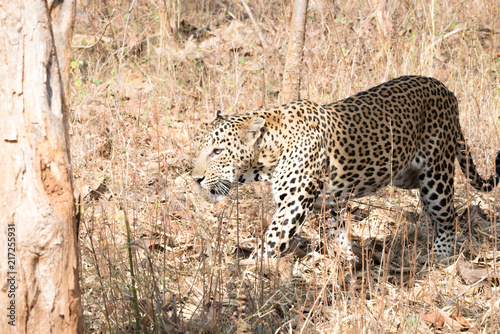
[
  {"x": 39, "y": 289},
  {"x": 291, "y": 76}
]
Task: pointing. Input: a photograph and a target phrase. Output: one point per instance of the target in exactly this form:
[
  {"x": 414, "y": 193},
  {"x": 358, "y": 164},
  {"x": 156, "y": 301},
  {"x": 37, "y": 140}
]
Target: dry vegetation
[{"x": 132, "y": 151}]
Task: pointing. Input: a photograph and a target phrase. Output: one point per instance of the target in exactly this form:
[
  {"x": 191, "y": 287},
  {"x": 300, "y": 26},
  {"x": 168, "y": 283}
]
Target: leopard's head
[{"x": 226, "y": 152}]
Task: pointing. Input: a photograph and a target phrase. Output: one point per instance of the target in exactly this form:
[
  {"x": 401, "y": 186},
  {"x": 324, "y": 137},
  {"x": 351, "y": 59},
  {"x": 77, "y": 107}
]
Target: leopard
[{"x": 404, "y": 132}]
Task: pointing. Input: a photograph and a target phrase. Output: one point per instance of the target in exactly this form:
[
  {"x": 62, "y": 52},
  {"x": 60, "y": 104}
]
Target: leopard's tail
[{"x": 469, "y": 169}]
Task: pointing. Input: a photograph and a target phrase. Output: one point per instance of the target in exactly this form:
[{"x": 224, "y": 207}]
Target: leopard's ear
[
  {"x": 218, "y": 114},
  {"x": 253, "y": 129}
]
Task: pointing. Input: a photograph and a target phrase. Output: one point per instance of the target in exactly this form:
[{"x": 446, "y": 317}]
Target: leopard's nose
[{"x": 199, "y": 179}]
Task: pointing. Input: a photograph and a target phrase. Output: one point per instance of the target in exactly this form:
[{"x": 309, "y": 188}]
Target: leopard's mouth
[{"x": 219, "y": 191}]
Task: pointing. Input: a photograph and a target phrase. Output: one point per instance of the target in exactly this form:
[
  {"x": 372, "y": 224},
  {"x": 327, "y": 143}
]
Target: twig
[
  {"x": 121, "y": 55},
  {"x": 103, "y": 29},
  {"x": 444, "y": 37},
  {"x": 155, "y": 287},
  {"x": 255, "y": 26},
  {"x": 470, "y": 287},
  {"x": 132, "y": 276}
]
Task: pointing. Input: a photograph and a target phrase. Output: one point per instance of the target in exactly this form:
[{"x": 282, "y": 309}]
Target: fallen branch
[
  {"x": 471, "y": 286},
  {"x": 255, "y": 25}
]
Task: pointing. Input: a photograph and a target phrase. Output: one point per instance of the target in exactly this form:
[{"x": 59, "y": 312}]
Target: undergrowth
[{"x": 146, "y": 79}]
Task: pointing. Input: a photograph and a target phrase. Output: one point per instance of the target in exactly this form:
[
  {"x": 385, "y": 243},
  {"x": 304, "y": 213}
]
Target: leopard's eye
[{"x": 216, "y": 151}]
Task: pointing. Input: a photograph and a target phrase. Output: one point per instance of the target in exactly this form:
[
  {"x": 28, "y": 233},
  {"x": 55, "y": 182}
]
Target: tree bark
[
  {"x": 295, "y": 52},
  {"x": 39, "y": 289}
]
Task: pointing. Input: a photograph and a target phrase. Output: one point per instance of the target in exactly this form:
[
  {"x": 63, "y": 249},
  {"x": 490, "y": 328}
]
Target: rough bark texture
[
  {"x": 291, "y": 76},
  {"x": 36, "y": 194}
]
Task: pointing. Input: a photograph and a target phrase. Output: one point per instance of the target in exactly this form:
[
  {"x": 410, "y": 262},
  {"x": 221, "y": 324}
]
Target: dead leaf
[
  {"x": 462, "y": 322},
  {"x": 471, "y": 272},
  {"x": 281, "y": 267},
  {"x": 455, "y": 325},
  {"x": 95, "y": 195},
  {"x": 479, "y": 218},
  {"x": 109, "y": 310},
  {"x": 148, "y": 311},
  {"x": 204, "y": 322},
  {"x": 435, "y": 318},
  {"x": 156, "y": 239}
]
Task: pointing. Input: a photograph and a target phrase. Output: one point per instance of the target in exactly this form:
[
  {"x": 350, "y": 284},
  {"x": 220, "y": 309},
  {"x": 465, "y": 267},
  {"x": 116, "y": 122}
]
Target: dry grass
[{"x": 181, "y": 61}]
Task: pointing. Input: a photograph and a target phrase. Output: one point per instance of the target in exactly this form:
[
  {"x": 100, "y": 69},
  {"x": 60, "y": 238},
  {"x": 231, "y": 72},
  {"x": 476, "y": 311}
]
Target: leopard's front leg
[
  {"x": 296, "y": 186},
  {"x": 288, "y": 220}
]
